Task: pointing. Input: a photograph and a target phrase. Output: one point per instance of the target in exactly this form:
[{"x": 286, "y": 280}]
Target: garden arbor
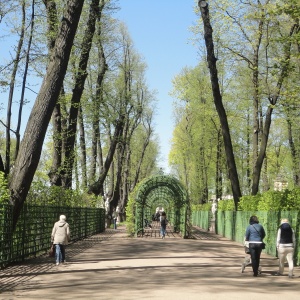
[{"x": 167, "y": 192}]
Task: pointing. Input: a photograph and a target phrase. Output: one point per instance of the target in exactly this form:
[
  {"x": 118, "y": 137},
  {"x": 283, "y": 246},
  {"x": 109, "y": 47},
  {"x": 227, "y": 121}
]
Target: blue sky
[{"x": 160, "y": 33}]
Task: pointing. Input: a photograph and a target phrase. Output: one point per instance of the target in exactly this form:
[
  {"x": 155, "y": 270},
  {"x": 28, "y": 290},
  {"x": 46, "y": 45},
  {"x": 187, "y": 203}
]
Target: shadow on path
[{"x": 111, "y": 265}]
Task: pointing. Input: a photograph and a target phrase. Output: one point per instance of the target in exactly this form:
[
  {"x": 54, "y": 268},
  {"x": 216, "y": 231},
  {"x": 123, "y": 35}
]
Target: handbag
[{"x": 52, "y": 251}]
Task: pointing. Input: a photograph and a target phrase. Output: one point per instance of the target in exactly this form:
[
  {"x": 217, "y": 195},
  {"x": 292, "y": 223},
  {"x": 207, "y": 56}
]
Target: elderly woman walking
[{"x": 60, "y": 237}]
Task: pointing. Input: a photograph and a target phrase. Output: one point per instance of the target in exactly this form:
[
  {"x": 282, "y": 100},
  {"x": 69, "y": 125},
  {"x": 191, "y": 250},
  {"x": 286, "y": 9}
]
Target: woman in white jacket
[
  {"x": 285, "y": 246},
  {"x": 60, "y": 237}
]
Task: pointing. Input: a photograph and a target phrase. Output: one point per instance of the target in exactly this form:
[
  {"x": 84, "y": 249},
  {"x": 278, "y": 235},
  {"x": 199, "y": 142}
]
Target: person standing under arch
[{"x": 163, "y": 224}]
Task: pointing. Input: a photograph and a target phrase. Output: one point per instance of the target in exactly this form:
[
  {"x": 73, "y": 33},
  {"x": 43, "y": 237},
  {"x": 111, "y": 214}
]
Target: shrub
[
  {"x": 226, "y": 205},
  {"x": 249, "y": 203},
  {"x": 204, "y": 207},
  {"x": 271, "y": 201},
  {"x": 4, "y": 191}
]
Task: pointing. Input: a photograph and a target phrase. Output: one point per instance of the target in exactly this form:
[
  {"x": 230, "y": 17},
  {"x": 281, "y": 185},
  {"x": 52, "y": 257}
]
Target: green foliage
[
  {"x": 204, "y": 207},
  {"x": 4, "y": 192},
  {"x": 130, "y": 215},
  {"x": 286, "y": 200},
  {"x": 226, "y": 205},
  {"x": 272, "y": 201},
  {"x": 40, "y": 194},
  {"x": 249, "y": 203},
  {"x": 293, "y": 200},
  {"x": 130, "y": 211}
]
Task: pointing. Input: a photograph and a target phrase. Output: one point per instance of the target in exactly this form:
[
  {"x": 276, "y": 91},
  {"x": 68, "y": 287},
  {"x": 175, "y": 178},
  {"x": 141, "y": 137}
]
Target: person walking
[
  {"x": 163, "y": 224},
  {"x": 255, "y": 234},
  {"x": 60, "y": 237},
  {"x": 285, "y": 246}
]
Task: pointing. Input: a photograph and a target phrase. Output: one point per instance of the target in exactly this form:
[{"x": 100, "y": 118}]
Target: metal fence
[
  {"x": 201, "y": 218},
  {"x": 32, "y": 236},
  {"x": 233, "y": 224}
]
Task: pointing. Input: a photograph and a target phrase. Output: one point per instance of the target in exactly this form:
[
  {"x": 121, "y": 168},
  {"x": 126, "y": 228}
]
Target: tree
[
  {"x": 211, "y": 59},
  {"x": 31, "y": 145}
]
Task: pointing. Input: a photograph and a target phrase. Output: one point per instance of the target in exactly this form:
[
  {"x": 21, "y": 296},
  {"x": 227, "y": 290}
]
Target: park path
[{"x": 111, "y": 265}]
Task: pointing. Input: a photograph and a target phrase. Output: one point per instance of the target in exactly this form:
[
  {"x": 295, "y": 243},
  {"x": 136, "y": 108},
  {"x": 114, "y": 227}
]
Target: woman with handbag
[
  {"x": 255, "y": 234},
  {"x": 60, "y": 237},
  {"x": 285, "y": 246}
]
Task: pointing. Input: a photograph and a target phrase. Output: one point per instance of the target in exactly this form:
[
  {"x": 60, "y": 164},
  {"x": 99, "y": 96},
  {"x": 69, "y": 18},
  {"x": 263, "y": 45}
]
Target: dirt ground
[{"x": 111, "y": 265}]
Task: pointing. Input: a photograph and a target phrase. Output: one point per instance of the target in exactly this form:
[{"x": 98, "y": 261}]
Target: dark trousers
[{"x": 255, "y": 252}]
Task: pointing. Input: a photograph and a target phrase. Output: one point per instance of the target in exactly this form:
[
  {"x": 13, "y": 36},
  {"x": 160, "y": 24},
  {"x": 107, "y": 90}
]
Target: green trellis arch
[{"x": 163, "y": 191}]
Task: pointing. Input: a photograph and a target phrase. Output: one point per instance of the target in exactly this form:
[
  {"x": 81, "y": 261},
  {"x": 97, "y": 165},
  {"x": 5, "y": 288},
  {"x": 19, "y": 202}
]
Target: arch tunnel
[{"x": 163, "y": 191}]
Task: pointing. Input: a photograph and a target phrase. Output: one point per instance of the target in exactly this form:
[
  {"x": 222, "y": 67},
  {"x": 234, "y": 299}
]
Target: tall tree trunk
[
  {"x": 83, "y": 149},
  {"x": 248, "y": 165},
  {"x": 12, "y": 88},
  {"x": 294, "y": 154},
  {"x": 77, "y": 93},
  {"x": 268, "y": 119},
  {"x": 97, "y": 187},
  {"x": 256, "y": 99},
  {"x": 219, "y": 180},
  {"x": 211, "y": 59},
  {"x": 24, "y": 82},
  {"x": 96, "y": 139},
  {"x": 145, "y": 145},
  {"x": 54, "y": 176},
  {"x": 32, "y": 143}
]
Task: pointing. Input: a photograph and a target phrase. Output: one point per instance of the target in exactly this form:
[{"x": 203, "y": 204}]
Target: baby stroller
[
  {"x": 247, "y": 262},
  {"x": 247, "y": 259}
]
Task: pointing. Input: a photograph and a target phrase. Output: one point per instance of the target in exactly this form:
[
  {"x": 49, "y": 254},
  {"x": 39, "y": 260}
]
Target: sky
[{"x": 160, "y": 33}]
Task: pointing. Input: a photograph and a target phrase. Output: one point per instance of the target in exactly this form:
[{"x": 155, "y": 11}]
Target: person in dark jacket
[
  {"x": 285, "y": 246},
  {"x": 163, "y": 224},
  {"x": 255, "y": 234}
]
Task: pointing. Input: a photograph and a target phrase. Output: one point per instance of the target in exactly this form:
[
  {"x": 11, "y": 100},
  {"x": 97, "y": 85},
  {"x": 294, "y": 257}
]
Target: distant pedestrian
[
  {"x": 157, "y": 216},
  {"x": 285, "y": 246},
  {"x": 163, "y": 224},
  {"x": 255, "y": 234},
  {"x": 60, "y": 237}
]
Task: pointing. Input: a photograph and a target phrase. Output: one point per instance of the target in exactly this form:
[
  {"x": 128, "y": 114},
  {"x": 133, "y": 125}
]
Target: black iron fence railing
[{"x": 32, "y": 236}]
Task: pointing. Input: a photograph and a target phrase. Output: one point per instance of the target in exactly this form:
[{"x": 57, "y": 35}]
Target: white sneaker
[{"x": 57, "y": 264}]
